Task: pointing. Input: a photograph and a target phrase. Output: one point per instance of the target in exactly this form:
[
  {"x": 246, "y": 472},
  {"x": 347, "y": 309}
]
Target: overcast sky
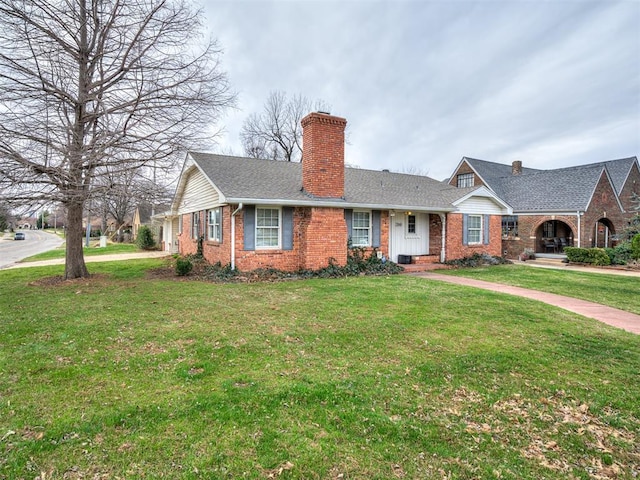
[{"x": 424, "y": 83}]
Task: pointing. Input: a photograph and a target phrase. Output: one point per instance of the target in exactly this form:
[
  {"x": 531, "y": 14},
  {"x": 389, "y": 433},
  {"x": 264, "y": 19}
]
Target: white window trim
[
  {"x": 210, "y": 224},
  {"x": 463, "y": 179},
  {"x": 195, "y": 216},
  {"x": 480, "y": 229},
  {"x": 408, "y": 234},
  {"x": 180, "y": 220},
  {"x": 273, "y": 247},
  {"x": 354, "y": 228}
]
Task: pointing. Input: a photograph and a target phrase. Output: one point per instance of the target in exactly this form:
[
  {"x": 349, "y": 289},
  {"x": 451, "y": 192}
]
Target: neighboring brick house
[
  {"x": 583, "y": 206},
  {"x": 252, "y": 213}
]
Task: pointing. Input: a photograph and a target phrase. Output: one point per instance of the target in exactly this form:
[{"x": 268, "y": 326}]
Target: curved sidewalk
[
  {"x": 611, "y": 316},
  {"x": 93, "y": 259}
]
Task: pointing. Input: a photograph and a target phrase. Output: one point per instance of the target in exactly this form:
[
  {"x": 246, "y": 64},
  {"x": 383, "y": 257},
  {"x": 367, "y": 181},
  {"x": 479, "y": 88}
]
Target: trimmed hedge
[{"x": 593, "y": 256}]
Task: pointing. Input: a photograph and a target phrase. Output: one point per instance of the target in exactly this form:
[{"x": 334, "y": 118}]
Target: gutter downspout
[
  {"x": 443, "y": 250},
  {"x": 233, "y": 235}
]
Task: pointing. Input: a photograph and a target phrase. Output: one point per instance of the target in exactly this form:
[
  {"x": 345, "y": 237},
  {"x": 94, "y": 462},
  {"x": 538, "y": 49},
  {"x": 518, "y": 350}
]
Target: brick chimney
[
  {"x": 516, "y": 168},
  {"x": 323, "y": 155}
]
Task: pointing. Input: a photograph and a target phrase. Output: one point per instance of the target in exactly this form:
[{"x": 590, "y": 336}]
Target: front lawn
[
  {"x": 616, "y": 291},
  {"x": 120, "y": 376}
]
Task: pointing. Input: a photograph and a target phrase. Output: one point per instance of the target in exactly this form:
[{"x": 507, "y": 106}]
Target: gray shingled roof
[
  {"x": 243, "y": 179},
  {"x": 562, "y": 189},
  {"x": 491, "y": 171}
]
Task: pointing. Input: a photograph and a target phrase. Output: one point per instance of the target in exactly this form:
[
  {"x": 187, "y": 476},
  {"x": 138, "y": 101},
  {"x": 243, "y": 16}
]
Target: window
[
  {"x": 474, "y": 229},
  {"x": 195, "y": 225},
  {"x": 179, "y": 224},
  {"x": 465, "y": 180},
  {"x": 548, "y": 229},
  {"x": 267, "y": 227},
  {"x": 361, "y": 229},
  {"x": 411, "y": 224},
  {"x": 214, "y": 230},
  {"x": 510, "y": 226}
]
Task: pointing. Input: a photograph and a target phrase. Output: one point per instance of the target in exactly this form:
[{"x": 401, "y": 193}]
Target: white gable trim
[
  {"x": 189, "y": 168},
  {"x": 481, "y": 193},
  {"x": 466, "y": 160}
]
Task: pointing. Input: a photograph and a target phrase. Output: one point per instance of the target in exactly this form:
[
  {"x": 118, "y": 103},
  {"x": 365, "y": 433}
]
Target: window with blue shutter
[
  {"x": 348, "y": 217},
  {"x": 375, "y": 228},
  {"x": 250, "y": 227},
  {"x": 486, "y": 230},
  {"x": 287, "y": 228}
]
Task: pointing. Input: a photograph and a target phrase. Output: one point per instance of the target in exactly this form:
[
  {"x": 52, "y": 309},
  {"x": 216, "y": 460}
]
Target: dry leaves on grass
[
  {"x": 562, "y": 413},
  {"x": 276, "y": 472}
]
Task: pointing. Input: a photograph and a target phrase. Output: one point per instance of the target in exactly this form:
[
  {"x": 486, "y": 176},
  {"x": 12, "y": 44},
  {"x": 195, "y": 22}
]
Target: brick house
[
  {"x": 582, "y": 206},
  {"x": 253, "y": 213}
]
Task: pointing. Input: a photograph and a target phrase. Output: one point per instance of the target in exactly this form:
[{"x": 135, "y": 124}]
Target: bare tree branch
[
  {"x": 95, "y": 86},
  {"x": 276, "y": 133}
]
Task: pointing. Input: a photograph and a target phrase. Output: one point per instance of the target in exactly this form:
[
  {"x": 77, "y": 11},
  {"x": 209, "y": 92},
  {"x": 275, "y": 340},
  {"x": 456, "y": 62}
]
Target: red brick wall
[
  {"x": 455, "y": 248},
  {"x": 186, "y": 244},
  {"x": 435, "y": 234},
  {"x": 287, "y": 260},
  {"x": 323, "y": 155},
  {"x": 603, "y": 205},
  {"x": 215, "y": 252},
  {"x": 323, "y": 236},
  {"x": 530, "y": 234}
]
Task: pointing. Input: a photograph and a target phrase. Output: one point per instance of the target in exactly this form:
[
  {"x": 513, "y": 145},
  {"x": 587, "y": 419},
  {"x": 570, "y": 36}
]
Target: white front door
[{"x": 409, "y": 234}]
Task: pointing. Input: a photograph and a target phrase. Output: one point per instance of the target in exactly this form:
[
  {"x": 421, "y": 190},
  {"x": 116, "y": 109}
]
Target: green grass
[
  {"x": 93, "y": 250},
  {"x": 616, "y": 291},
  {"x": 359, "y": 378}
]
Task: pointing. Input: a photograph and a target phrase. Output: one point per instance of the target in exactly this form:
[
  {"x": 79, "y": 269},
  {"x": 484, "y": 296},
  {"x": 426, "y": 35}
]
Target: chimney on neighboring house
[
  {"x": 516, "y": 168},
  {"x": 323, "y": 155}
]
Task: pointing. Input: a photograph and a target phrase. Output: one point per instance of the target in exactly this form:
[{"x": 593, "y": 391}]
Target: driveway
[{"x": 36, "y": 241}]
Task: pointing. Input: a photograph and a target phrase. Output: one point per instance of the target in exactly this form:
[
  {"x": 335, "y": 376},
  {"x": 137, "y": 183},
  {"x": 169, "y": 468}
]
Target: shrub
[
  {"x": 145, "y": 240},
  {"x": 635, "y": 247},
  {"x": 593, "y": 256},
  {"x": 478, "y": 260},
  {"x": 620, "y": 254},
  {"x": 183, "y": 266}
]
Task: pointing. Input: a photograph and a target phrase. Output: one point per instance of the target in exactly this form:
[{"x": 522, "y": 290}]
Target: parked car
[{"x": 19, "y": 236}]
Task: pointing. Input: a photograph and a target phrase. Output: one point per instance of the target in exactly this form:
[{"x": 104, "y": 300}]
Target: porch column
[{"x": 443, "y": 250}]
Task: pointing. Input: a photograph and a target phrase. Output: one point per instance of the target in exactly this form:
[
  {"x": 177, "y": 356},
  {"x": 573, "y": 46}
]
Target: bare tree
[
  {"x": 122, "y": 192},
  {"x": 91, "y": 85},
  {"x": 276, "y": 133}
]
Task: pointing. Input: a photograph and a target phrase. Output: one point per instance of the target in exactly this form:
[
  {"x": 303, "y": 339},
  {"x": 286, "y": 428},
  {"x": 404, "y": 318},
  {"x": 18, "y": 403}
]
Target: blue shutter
[
  {"x": 375, "y": 228},
  {"x": 249, "y": 227},
  {"x": 486, "y": 229},
  {"x": 287, "y": 228},
  {"x": 348, "y": 218},
  {"x": 465, "y": 232},
  {"x": 221, "y": 223}
]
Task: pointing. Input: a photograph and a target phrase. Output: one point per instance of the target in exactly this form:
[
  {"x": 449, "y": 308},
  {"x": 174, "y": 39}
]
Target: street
[{"x": 36, "y": 241}]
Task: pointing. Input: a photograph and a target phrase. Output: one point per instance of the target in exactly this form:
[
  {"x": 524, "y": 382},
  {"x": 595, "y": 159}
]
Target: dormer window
[{"x": 465, "y": 180}]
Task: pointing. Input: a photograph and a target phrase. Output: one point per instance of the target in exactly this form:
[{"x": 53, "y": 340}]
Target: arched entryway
[
  {"x": 603, "y": 233},
  {"x": 552, "y": 236}
]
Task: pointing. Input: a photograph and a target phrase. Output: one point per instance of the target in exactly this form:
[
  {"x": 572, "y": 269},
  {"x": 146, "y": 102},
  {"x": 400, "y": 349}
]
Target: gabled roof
[
  {"x": 240, "y": 179},
  {"x": 489, "y": 172},
  {"x": 562, "y": 189},
  {"x": 568, "y": 189},
  {"x": 619, "y": 171}
]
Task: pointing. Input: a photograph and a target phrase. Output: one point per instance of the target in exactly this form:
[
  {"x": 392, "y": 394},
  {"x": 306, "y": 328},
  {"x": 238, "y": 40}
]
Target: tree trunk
[{"x": 74, "y": 264}]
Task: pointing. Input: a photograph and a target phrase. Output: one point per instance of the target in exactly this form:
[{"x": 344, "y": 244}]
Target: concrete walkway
[
  {"x": 94, "y": 259},
  {"x": 611, "y": 316}
]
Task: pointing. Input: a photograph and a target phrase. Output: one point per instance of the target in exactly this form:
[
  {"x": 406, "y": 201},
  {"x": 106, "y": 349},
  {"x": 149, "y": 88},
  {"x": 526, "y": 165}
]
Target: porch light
[{"x": 408, "y": 213}]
